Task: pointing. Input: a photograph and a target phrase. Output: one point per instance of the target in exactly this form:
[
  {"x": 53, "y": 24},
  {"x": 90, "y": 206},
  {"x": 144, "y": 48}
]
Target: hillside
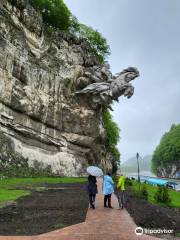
[{"x": 131, "y": 164}]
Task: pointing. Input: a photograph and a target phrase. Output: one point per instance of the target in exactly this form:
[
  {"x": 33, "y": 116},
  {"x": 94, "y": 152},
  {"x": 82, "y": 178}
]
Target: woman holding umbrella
[
  {"x": 92, "y": 186},
  {"x": 92, "y": 190}
]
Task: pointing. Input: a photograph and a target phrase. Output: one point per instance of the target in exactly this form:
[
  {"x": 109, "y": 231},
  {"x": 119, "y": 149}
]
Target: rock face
[
  {"x": 39, "y": 72},
  {"x": 170, "y": 171}
]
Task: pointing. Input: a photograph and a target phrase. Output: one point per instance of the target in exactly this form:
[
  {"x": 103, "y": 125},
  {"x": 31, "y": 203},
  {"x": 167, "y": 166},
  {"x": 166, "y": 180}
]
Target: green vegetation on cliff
[
  {"x": 54, "y": 12},
  {"x": 112, "y": 138},
  {"x": 167, "y": 154},
  {"x": 97, "y": 42},
  {"x": 12, "y": 164},
  {"x": 56, "y": 15}
]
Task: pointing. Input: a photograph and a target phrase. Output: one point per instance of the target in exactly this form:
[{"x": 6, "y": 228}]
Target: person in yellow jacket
[{"x": 120, "y": 191}]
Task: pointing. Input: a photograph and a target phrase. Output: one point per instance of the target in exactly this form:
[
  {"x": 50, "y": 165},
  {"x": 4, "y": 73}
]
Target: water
[{"x": 144, "y": 175}]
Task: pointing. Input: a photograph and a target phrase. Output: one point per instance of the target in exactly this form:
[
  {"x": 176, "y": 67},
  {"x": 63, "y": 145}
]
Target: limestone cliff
[{"x": 39, "y": 71}]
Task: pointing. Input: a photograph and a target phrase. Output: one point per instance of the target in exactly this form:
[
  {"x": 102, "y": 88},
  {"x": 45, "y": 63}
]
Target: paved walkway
[{"x": 100, "y": 224}]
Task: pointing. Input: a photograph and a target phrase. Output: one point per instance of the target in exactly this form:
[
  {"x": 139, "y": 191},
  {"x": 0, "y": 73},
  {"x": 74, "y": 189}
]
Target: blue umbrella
[{"x": 95, "y": 171}]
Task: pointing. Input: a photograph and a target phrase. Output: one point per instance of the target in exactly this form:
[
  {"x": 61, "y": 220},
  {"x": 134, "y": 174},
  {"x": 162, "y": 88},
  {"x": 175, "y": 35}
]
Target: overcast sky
[{"x": 144, "y": 34}]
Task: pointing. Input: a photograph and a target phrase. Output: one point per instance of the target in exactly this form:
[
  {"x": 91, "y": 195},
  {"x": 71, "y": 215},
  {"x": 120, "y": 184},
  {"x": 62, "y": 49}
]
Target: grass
[
  {"x": 11, "y": 195},
  {"x": 8, "y": 186},
  {"x": 60, "y": 225},
  {"x": 6, "y": 194},
  {"x": 175, "y": 196},
  {"x": 18, "y": 182}
]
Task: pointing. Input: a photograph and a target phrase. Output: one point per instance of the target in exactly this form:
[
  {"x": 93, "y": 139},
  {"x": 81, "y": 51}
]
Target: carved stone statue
[{"x": 103, "y": 93}]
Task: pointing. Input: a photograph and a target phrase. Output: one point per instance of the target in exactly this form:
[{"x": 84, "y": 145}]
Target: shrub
[
  {"x": 98, "y": 44},
  {"x": 142, "y": 192},
  {"x": 37, "y": 170},
  {"x": 162, "y": 195},
  {"x": 12, "y": 164},
  {"x": 128, "y": 182}
]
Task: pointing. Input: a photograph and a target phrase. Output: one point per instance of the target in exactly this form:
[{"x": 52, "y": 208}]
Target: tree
[
  {"x": 55, "y": 13},
  {"x": 166, "y": 157},
  {"x": 112, "y": 138}
]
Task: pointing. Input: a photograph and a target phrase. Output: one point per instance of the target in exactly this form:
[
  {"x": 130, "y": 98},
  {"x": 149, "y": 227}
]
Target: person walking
[
  {"x": 92, "y": 190},
  {"x": 121, "y": 190},
  {"x": 108, "y": 189}
]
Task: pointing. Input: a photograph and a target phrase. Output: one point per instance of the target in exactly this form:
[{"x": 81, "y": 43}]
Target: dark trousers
[
  {"x": 121, "y": 198},
  {"x": 92, "y": 198},
  {"x": 107, "y": 198}
]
